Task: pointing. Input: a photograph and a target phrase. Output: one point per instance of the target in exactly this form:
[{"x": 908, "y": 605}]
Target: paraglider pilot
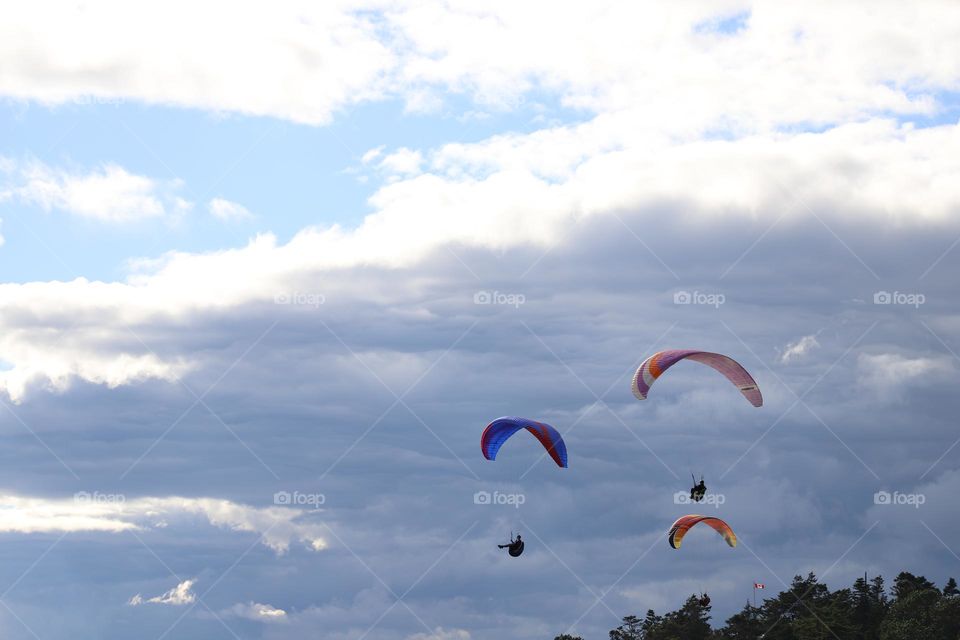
[
  {"x": 698, "y": 491},
  {"x": 515, "y": 548}
]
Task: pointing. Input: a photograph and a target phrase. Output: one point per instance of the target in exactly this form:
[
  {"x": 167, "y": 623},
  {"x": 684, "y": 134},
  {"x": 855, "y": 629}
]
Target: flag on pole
[{"x": 759, "y": 585}]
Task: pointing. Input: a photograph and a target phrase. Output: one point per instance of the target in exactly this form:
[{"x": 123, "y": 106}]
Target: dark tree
[
  {"x": 906, "y": 583},
  {"x": 912, "y": 616},
  {"x": 651, "y": 623},
  {"x": 869, "y": 608},
  {"x": 951, "y": 588},
  {"x": 808, "y": 610},
  {"x": 690, "y": 622},
  {"x": 745, "y": 625},
  {"x": 631, "y": 629}
]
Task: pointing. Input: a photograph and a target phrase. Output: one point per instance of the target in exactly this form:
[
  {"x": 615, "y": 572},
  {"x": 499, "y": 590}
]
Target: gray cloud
[{"x": 295, "y": 407}]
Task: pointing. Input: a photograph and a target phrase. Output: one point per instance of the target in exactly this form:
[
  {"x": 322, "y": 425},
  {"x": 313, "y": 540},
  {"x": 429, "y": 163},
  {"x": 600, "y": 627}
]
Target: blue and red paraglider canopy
[{"x": 498, "y": 431}]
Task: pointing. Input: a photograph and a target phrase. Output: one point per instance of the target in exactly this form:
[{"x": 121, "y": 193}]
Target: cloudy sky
[{"x": 267, "y": 272}]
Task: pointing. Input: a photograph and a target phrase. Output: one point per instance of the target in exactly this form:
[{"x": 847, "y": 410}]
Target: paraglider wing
[
  {"x": 498, "y": 431},
  {"x": 685, "y": 523},
  {"x": 654, "y": 366}
]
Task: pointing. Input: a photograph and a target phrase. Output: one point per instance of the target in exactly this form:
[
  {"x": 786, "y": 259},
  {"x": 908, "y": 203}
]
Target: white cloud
[
  {"x": 298, "y": 62},
  {"x": 256, "y": 611},
  {"x": 56, "y": 367},
  {"x": 402, "y": 161},
  {"x": 799, "y": 349},
  {"x": 504, "y": 192},
  {"x": 789, "y": 64},
  {"x": 501, "y": 193},
  {"x": 888, "y": 373},
  {"x": 372, "y": 154},
  {"x": 37, "y": 515},
  {"x": 177, "y": 596},
  {"x": 108, "y": 194},
  {"x": 226, "y": 210},
  {"x": 278, "y": 526}
]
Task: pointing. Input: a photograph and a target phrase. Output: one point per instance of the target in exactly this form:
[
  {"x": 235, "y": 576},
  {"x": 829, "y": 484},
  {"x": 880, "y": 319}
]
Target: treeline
[{"x": 914, "y": 609}]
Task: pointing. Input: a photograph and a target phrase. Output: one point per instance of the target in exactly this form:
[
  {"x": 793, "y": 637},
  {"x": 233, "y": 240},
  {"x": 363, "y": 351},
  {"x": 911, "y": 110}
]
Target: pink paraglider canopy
[{"x": 655, "y": 365}]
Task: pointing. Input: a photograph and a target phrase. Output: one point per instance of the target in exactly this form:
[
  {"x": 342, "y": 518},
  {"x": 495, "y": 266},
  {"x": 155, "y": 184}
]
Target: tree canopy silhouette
[{"x": 808, "y": 610}]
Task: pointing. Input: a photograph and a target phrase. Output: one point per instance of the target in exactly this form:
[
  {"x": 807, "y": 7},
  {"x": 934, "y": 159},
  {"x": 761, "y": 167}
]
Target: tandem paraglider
[{"x": 698, "y": 490}]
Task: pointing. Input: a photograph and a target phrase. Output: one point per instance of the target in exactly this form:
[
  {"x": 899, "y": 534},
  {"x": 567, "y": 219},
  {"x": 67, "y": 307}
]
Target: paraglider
[
  {"x": 685, "y": 523},
  {"x": 654, "y": 366},
  {"x": 500, "y": 430},
  {"x": 515, "y": 548},
  {"x": 704, "y": 600},
  {"x": 698, "y": 491}
]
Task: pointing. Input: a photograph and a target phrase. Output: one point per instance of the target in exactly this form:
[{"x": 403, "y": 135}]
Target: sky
[{"x": 267, "y": 272}]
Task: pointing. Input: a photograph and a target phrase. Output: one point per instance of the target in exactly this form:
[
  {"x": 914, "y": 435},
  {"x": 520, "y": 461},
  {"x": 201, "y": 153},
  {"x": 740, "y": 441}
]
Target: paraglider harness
[
  {"x": 704, "y": 600},
  {"x": 698, "y": 491},
  {"x": 515, "y": 548}
]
